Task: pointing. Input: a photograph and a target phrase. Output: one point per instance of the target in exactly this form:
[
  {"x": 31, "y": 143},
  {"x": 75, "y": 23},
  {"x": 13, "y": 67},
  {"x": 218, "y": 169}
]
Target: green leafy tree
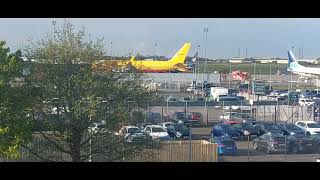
[
  {"x": 14, "y": 122},
  {"x": 71, "y": 96}
]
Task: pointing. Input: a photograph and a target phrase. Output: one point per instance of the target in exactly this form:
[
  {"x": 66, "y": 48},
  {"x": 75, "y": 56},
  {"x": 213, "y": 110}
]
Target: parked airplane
[
  {"x": 296, "y": 68},
  {"x": 175, "y": 64}
]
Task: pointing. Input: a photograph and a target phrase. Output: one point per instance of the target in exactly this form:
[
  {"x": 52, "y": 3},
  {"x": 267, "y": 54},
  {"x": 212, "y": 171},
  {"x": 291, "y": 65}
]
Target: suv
[
  {"x": 309, "y": 127},
  {"x": 271, "y": 142}
]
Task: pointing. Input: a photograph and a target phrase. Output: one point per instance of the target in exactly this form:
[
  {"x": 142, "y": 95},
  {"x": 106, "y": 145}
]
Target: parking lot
[{"x": 254, "y": 156}]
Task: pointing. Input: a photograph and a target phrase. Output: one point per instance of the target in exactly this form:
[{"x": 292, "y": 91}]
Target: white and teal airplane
[{"x": 296, "y": 68}]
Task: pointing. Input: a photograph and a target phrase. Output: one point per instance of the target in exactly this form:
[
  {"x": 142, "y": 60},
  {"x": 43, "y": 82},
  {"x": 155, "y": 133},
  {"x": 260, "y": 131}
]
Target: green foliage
[
  {"x": 14, "y": 123},
  {"x": 71, "y": 96}
]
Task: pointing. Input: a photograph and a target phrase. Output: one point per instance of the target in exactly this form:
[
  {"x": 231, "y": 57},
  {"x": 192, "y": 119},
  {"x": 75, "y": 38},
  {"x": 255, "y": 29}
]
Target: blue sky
[{"x": 261, "y": 37}]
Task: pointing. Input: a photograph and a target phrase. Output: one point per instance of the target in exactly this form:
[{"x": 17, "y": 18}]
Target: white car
[
  {"x": 190, "y": 89},
  {"x": 309, "y": 127},
  {"x": 305, "y": 102},
  {"x": 131, "y": 133},
  {"x": 157, "y": 132},
  {"x": 226, "y": 116}
]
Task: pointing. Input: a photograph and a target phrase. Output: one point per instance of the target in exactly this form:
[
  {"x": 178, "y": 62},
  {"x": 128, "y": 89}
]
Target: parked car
[
  {"x": 133, "y": 134},
  {"x": 172, "y": 99},
  {"x": 265, "y": 127},
  {"x": 309, "y": 127},
  {"x": 242, "y": 127},
  {"x": 200, "y": 99},
  {"x": 305, "y": 102},
  {"x": 242, "y": 117},
  {"x": 316, "y": 139},
  {"x": 185, "y": 99},
  {"x": 154, "y": 117},
  {"x": 168, "y": 127},
  {"x": 190, "y": 89},
  {"x": 222, "y": 130},
  {"x": 141, "y": 126},
  {"x": 226, "y": 146},
  {"x": 271, "y": 142},
  {"x": 290, "y": 129},
  {"x": 180, "y": 117},
  {"x": 301, "y": 143},
  {"x": 231, "y": 122},
  {"x": 195, "y": 118},
  {"x": 227, "y": 116},
  {"x": 157, "y": 132},
  {"x": 180, "y": 131}
]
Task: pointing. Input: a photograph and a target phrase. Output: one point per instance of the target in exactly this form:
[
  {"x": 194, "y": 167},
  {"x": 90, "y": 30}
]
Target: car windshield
[
  {"x": 292, "y": 127},
  {"x": 134, "y": 130},
  {"x": 270, "y": 126},
  {"x": 158, "y": 129},
  {"x": 313, "y": 125},
  {"x": 180, "y": 128}
]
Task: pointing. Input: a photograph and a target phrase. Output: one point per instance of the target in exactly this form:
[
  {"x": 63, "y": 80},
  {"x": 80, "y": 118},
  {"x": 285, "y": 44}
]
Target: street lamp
[
  {"x": 247, "y": 133},
  {"x": 230, "y": 76},
  {"x": 205, "y": 30}
]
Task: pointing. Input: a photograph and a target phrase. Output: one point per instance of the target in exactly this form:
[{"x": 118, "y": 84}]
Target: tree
[
  {"x": 14, "y": 123},
  {"x": 71, "y": 96}
]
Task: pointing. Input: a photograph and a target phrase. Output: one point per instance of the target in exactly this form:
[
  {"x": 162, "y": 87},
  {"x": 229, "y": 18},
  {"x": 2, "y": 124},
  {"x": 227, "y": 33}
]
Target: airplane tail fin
[
  {"x": 291, "y": 57},
  {"x": 181, "y": 55}
]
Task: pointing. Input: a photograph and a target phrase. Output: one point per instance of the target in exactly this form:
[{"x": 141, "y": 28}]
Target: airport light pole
[
  {"x": 230, "y": 76},
  {"x": 205, "y": 30},
  {"x": 254, "y": 79}
]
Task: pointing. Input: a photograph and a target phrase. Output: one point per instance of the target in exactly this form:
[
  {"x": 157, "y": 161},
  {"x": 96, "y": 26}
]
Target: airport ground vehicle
[
  {"x": 290, "y": 129},
  {"x": 271, "y": 142},
  {"x": 157, "y": 132},
  {"x": 221, "y": 130},
  {"x": 218, "y": 92},
  {"x": 301, "y": 143},
  {"x": 309, "y": 127},
  {"x": 226, "y": 146},
  {"x": 267, "y": 127}
]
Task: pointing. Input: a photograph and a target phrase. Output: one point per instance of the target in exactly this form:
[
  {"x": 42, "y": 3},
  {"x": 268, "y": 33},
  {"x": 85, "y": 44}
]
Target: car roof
[
  {"x": 307, "y": 121},
  {"x": 130, "y": 127},
  {"x": 154, "y": 126}
]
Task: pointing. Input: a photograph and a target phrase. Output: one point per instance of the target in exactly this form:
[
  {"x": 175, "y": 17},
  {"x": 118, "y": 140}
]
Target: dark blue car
[
  {"x": 226, "y": 146},
  {"x": 225, "y": 130}
]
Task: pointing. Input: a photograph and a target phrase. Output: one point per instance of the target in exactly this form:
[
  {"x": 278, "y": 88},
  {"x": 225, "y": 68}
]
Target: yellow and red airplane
[{"x": 175, "y": 64}]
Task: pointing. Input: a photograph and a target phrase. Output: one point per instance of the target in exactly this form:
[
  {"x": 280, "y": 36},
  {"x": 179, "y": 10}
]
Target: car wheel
[
  {"x": 308, "y": 133},
  {"x": 255, "y": 146}
]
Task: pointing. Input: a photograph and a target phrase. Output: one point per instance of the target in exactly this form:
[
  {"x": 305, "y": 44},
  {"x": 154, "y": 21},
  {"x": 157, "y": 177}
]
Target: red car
[
  {"x": 231, "y": 122},
  {"x": 195, "y": 117}
]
